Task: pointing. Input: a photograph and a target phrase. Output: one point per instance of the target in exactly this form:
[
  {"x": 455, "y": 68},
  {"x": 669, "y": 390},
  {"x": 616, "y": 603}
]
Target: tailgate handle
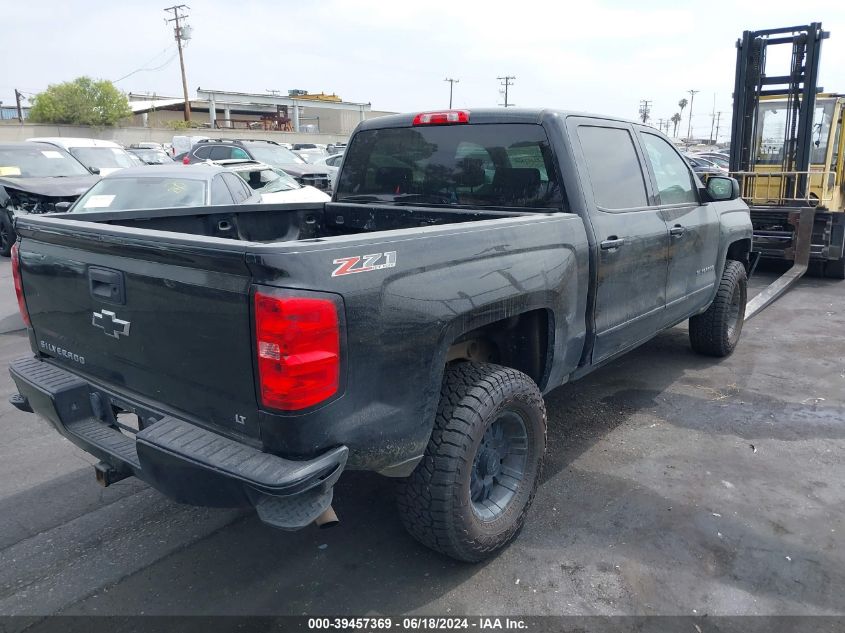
[{"x": 107, "y": 285}]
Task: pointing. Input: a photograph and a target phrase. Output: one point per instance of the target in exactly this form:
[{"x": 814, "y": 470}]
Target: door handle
[
  {"x": 677, "y": 231},
  {"x": 612, "y": 243}
]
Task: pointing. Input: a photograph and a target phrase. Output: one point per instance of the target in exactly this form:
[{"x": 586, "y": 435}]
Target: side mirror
[
  {"x": 94, "y": 170},
  {"x": 62, "y": 207},
  {"x": 720, "y": 188}
]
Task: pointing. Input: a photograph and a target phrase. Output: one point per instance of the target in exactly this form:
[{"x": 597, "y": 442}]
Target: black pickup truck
[{"x": 467, "y": 263}]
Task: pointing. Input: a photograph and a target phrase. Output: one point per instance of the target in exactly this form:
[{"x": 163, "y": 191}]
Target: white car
[
  {"x": 273, "y": 184},
  {"x": 332, "y": 165},
  {"x": 98, "y": 157}
]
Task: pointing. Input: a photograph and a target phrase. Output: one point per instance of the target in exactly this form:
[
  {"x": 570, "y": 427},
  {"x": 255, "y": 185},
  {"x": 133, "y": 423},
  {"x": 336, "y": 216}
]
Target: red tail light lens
[
  {"x": 16, "y": 275},
  {"x": 298, "y": 346},
  {"x": 443, "y": 117}
]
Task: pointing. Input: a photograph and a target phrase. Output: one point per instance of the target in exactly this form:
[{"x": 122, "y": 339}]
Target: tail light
[
  {"x": 16, "y": 275},
  {"x": 443, "y": 117},
  {"x": 298, "y": 346},
  {"x": 186, "y": 160}
]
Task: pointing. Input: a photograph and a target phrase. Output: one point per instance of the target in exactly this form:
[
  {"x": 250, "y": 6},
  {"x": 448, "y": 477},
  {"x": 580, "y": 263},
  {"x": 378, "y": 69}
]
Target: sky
[{"x": 592, "y": 56}]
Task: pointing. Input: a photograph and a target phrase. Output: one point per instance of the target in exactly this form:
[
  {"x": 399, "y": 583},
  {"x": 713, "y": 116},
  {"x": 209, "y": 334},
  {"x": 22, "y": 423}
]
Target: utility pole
[
  {"x": 713, "y": 119},
  {"x": 180, "y": 34},
  {"x": 507, "y": 81},
  {"x": 660, "y": 124},
  {"x": 18, "y": 97},
  {"x": 645, "y": 109},
  {"x": 718, "y": 116},
  {"x": 452, "y": 83},
  {"x": 692, "y": 94}
]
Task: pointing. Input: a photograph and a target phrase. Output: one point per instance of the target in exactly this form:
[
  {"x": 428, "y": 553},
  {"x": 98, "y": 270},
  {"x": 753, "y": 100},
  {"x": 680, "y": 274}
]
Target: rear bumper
[{"x": 182, "y": 460}]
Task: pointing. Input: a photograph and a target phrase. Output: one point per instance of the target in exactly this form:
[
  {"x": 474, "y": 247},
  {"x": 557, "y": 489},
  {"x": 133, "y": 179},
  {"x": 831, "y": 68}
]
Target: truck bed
[{"x": 289, "y": 222}]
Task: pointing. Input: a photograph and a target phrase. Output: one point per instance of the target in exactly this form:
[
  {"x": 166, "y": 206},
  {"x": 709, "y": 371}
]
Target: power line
[
  {"x": 507, "y": 82},
  {"x": 143, "y": 66},
  {"x": 452, "y": 83}
]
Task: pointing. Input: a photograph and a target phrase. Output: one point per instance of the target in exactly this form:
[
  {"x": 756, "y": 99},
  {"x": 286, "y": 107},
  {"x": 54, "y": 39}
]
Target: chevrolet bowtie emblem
[{"x": 108, "y": 322}]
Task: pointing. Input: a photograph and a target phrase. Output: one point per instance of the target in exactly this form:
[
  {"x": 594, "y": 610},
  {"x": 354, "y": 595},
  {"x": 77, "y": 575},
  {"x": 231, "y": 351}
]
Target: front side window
[
  {"x": 613, "y": 166},
  {"x": 491, "y": 165},
  {"x": 240, "y": 191},
  {"x": 674, "y": 181}
]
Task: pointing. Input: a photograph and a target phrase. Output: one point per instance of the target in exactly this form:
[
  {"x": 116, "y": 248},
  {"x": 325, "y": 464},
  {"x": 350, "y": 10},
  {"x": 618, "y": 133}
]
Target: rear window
[
  {"x": 121, "y": 194},
  {"x": 495, "y": 165}
]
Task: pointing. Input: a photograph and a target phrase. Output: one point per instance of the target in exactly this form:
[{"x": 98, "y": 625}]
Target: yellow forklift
[{"x": 788, "y": 154}]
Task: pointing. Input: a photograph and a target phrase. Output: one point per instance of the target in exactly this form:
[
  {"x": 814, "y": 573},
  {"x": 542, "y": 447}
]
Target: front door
[
  {"x": 693, "y": 229},
  {"x": 633, "y": 239}
]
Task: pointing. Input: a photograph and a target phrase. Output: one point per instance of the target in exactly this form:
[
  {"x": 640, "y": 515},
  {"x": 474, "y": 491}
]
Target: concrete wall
[{"x": 14, "y": 131}]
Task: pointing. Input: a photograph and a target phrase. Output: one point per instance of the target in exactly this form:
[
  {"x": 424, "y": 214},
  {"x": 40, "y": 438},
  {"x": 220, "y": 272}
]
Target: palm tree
[
  {"x": 682, "y": 104},
  {"x": 676, "y": 118}
]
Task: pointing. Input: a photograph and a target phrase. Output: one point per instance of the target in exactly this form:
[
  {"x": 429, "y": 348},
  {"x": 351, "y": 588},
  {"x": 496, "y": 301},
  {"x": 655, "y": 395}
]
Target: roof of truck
[{"x": 488, "y": 115}]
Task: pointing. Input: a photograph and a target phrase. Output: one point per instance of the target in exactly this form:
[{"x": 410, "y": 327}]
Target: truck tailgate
[{"x": 171, "y": 322}]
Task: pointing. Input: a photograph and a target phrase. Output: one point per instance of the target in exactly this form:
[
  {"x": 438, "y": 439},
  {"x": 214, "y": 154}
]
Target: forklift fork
[{"x": 801, "y": 261}]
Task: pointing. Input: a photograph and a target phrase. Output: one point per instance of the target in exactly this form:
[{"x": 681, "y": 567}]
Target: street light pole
[
  {"x": 452, "y": 83},
  {"x": 179, "y": 34},
  {"x": 692, "y": 94}
]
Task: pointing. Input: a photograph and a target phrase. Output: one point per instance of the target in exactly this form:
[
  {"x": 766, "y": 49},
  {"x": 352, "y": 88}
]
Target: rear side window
[
  {"x": 492, "y": 165},
  {"x": 221, "y": 152},
  {"x": 674, "y": 181},
  {"x": 614, "y": 168},
  {"x": 238, "y": 187},
  {"x": 220, "y": 192},
  {"x": 203, "y": 152}
]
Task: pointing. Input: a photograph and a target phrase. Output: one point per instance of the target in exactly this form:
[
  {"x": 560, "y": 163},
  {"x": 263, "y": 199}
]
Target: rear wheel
[
  {"x": 716, "y": 331},
  {"x": 469, "y": 495}
]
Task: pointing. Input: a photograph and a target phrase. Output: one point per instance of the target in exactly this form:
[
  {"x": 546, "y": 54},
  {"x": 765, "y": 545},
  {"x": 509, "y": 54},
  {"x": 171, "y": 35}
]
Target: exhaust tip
[{"x": 327, "y": 520}]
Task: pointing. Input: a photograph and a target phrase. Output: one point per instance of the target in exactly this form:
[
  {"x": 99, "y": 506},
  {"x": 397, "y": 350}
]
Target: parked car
[
  {"x": 150, "y": 156},
  {"x": 98, "y": 157},
  {"x": 311, "y": 156},
  {"x": 182, "y": 144},
  {"x": 148, "y": 145},
  {"x": 268, "y": 152},
  {"x": 335, "y": 148},
  {"x": 165, "y": 187},
  {"x": 467, "y": 263},
  {"x": 34, "y": 178},
  {"x": 722, "y": 160},
  {"x": 273, "y": 184},
  {"x": 704, "y": 167},
  {"x": 331, "y": 164}
]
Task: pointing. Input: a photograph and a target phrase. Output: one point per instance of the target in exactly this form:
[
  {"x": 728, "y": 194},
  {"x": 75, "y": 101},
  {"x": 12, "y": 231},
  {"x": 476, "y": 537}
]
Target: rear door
[
  {"x": 693, "y": 228},
  {"x": 632, "y": 236},
  {"x": 167, "y": 324}
]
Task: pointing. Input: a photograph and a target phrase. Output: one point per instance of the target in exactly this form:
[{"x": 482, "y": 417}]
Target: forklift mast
[{"x": 799, "y": 88}]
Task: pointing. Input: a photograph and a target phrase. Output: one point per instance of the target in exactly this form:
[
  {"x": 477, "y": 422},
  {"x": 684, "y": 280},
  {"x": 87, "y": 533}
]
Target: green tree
[{"x": 83, "y": 101}]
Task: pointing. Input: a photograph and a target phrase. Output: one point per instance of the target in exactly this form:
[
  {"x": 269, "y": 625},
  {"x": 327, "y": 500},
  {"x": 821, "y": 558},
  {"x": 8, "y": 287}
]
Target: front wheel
[
  {"x": 716, "y": 331},
  {"x": 469, "y": 495}
]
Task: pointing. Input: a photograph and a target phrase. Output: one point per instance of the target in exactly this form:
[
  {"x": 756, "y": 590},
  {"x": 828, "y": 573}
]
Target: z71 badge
[{"x": 364, "y": 263}]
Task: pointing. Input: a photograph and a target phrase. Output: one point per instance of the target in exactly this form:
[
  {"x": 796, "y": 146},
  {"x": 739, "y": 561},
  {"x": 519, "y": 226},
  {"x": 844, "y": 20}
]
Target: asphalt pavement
[{"x": 674, "y": 484}]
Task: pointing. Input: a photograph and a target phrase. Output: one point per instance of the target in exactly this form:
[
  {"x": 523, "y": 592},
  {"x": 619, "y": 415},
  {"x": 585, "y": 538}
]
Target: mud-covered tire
[
  {"x": 835, "y": 269},
  {"x": 716, "y": 332},
  {"x": 436, "y": 502},
  {"x": 7, "y": 235}
]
